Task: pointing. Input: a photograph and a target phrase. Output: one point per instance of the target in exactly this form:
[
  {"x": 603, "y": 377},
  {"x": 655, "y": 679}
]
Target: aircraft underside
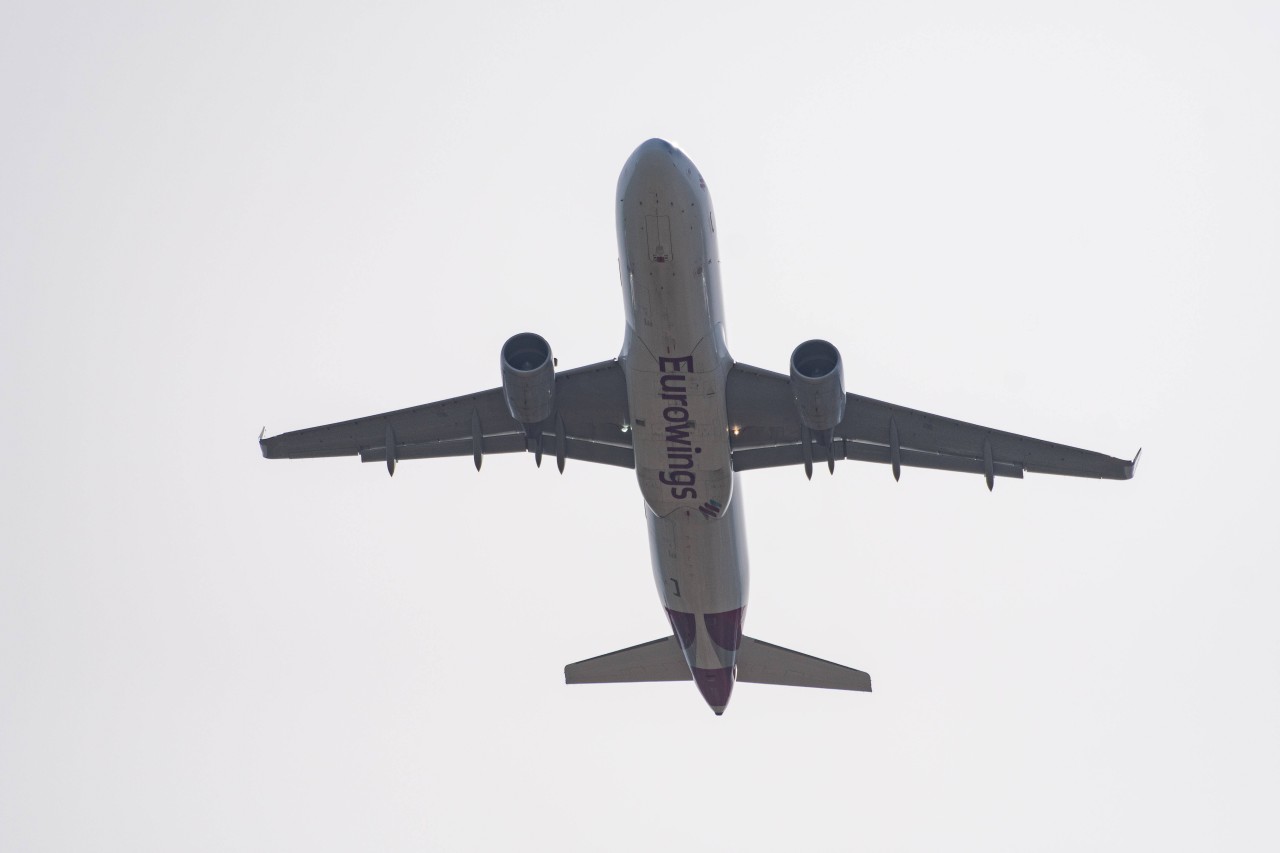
[{"x": 677, "y": 409}]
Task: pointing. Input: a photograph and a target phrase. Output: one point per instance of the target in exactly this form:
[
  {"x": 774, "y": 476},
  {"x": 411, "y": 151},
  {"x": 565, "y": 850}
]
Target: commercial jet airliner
[{"x": 675, "y": 407}]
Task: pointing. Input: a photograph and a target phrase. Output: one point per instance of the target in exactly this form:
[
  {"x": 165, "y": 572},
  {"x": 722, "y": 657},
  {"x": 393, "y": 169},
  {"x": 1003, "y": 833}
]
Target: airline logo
[
  {"x": 711, "y": 509},
  {"x": 679, "y": 474}
]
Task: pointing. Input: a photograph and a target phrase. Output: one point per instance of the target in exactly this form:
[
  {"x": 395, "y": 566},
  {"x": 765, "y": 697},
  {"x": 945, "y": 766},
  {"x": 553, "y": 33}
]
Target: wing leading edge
[
  {"x": 591, "y": 410},
  {"x": 768, "y": 433}
]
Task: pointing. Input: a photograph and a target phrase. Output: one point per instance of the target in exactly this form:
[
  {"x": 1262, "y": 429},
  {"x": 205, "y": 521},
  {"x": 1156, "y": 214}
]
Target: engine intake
[
  {"x": 817, "y": 384},
  {"x": 528, "y": 378}
]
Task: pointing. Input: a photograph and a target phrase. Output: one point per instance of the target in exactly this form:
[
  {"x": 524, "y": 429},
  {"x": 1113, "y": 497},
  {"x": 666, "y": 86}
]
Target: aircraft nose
[
  {"x": 653, "y": 157},
  {"x": 654, "y": 146}
]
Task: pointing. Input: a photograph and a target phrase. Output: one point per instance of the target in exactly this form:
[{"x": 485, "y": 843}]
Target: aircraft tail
[{"x": 758, "y": 662}]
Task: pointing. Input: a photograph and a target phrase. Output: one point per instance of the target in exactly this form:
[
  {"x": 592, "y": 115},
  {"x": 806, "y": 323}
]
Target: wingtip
[{"x": 1133, "y": 465}]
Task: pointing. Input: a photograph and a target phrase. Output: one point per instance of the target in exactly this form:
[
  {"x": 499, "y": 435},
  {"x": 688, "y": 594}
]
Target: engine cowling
[
  {"x": 528, "y": 378},
  {"x": 817, "y": 384}
]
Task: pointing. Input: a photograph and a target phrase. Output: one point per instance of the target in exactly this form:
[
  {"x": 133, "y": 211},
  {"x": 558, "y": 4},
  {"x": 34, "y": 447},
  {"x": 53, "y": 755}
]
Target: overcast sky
[{"x": 215, "y": 216}]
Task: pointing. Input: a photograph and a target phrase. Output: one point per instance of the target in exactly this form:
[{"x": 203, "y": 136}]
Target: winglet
[
  {"x": 1133, "y": 464},
  {"x": 262, "y": 444}
]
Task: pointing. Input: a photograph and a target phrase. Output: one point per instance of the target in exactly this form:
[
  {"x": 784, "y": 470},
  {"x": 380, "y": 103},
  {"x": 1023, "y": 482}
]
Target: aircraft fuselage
[{"x": 676, "y": 363}]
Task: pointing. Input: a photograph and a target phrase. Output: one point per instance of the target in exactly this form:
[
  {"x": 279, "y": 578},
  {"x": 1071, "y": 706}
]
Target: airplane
[{"x": 675, "y": 407}]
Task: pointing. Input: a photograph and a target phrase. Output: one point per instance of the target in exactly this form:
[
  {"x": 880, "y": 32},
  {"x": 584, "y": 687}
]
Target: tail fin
[
  {"x": 765, "y": 663},
  {"x": 660, "y": 660}
]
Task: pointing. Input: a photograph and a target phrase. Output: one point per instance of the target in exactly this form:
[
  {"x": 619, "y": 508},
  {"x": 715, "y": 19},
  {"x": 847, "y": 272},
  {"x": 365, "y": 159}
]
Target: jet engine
[
  {"x": 817, "y": 384},
  {"x": 528, "y": 378}
]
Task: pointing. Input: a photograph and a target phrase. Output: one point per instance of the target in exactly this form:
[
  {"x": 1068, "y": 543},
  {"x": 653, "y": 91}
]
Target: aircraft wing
[
  {"x": 591, "y": 409},
  {"x": 768, "y": 433}
]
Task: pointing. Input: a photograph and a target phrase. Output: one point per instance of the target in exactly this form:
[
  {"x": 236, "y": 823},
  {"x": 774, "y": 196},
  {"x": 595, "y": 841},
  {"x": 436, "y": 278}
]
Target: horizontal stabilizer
[
  {"x": 765, "y": 663},
  {"x": 757, "y": 661},
  {"x": 660, "y": 660}
]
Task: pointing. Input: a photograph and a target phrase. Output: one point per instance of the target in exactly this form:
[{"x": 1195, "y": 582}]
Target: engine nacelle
[
  {"x": 528, "y": 378},
  {"x": 817, "y": 384}
]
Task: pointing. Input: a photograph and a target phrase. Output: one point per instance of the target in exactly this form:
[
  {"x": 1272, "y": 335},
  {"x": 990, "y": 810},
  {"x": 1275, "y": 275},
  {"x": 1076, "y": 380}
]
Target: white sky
[{"x": 215, "y": 216}]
